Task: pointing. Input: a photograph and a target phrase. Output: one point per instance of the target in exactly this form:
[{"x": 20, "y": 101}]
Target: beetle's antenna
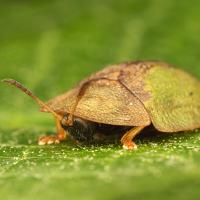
[{"x": 29, "y": 93}]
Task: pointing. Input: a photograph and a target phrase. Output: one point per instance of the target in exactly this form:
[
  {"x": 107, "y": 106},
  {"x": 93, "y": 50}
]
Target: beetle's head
[{"x": 81, "y": 130}]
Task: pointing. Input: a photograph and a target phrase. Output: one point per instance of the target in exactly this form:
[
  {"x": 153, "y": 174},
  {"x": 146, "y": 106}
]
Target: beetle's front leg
[
  {"x": 127, "y": 138},
  {"x": 60, "y": 136}
]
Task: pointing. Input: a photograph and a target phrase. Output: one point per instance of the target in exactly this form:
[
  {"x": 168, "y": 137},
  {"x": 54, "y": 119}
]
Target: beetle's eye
[{"x": 64, "y": 120}]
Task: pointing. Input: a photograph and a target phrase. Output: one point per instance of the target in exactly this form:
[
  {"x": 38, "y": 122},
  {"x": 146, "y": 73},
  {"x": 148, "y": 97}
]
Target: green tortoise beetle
[{"x": 128, "y": 96}]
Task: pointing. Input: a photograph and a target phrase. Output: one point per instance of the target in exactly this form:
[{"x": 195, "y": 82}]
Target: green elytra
[{"x": 175, "y": 99}]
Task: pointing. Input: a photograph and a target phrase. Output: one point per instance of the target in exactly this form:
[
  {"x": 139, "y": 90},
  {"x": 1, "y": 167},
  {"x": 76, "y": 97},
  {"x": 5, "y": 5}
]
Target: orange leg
[
  {"x": 127, "y": 138},
  {"x": 61, "y": 135}
]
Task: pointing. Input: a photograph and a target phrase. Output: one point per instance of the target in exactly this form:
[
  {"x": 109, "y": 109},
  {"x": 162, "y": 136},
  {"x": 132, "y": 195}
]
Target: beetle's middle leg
[
  {"x": 51, "y": 139},
  {"x": 127, "y": 138}
]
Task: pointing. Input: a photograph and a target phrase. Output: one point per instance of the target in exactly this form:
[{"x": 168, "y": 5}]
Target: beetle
[{"x": 128, "y": 97}]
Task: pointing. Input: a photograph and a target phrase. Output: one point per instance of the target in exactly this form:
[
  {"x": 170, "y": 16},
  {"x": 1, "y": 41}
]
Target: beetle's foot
[
  {"x": 127, "y": 138},
  {"x": 48, "y": 140},
  {"x": 129, "y": 145}
]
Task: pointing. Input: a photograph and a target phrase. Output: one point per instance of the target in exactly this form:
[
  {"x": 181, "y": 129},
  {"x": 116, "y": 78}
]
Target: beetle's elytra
[{"x": 129, "y": 96}]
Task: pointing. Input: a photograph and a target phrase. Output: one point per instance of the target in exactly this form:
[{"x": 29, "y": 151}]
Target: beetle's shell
[{"x": 136, "y": 94}]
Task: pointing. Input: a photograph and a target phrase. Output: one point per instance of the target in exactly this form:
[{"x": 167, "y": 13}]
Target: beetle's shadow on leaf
[{"x": 150, "y": 134}]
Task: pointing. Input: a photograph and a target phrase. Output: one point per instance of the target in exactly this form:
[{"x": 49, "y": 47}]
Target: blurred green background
[{"x": 49, "y": 46}]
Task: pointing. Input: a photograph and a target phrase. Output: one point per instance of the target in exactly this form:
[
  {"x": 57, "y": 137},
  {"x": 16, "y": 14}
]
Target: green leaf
[{"x": 49, "y": 46}]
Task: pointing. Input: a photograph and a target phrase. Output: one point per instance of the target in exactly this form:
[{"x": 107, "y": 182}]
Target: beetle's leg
[
  {"x": 61, "y": 132},
  {"x": 60, "y": 136},
  {"x": 127, "y": 138}
]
